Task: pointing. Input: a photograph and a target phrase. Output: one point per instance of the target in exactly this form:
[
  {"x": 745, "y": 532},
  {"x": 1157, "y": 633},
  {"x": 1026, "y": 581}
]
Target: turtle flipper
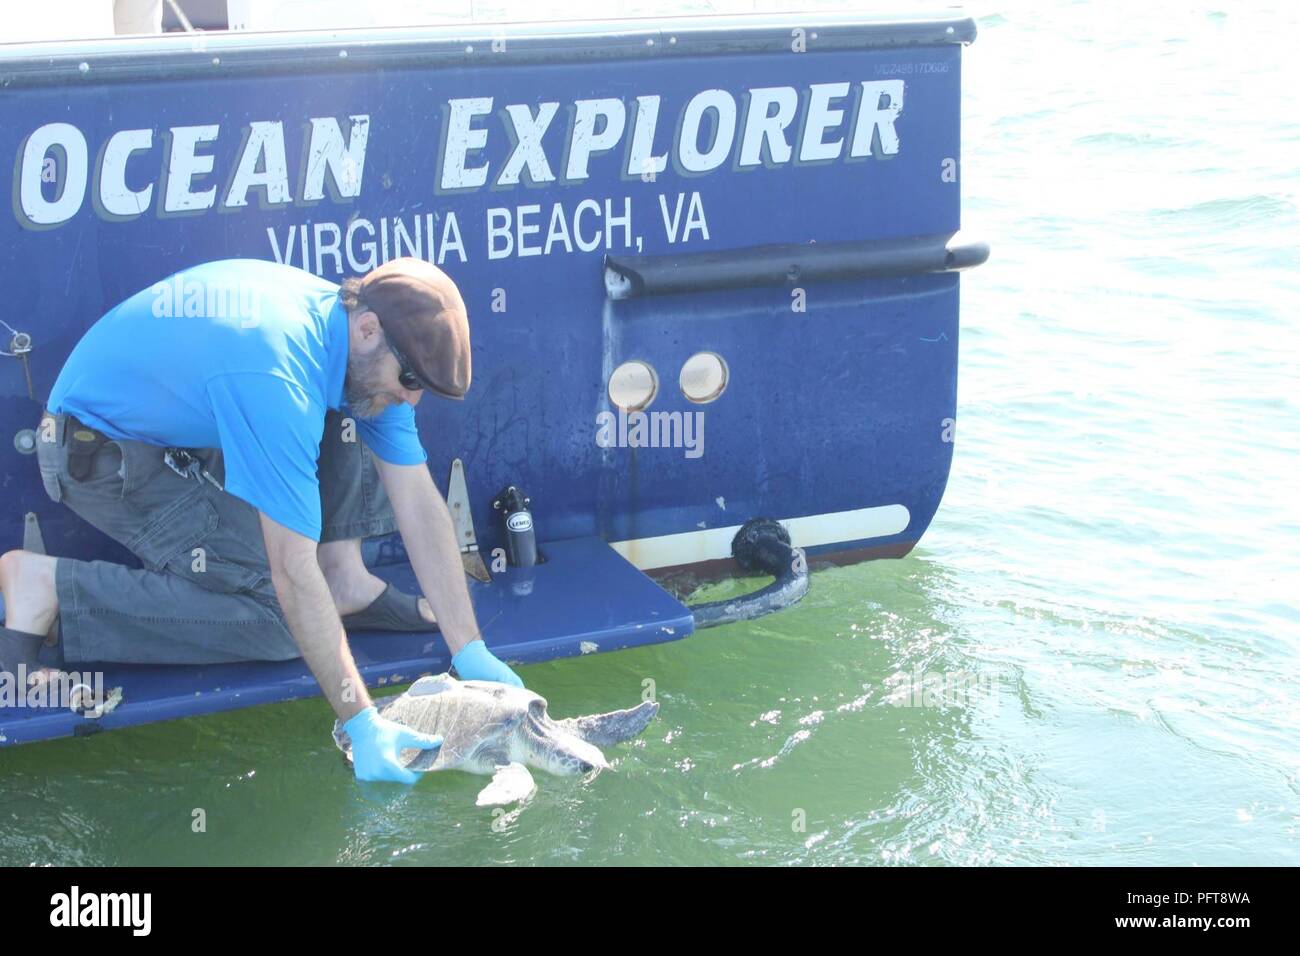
[
  {"x": 612, "y": 728},
  {"x": 511, "y": 783}
]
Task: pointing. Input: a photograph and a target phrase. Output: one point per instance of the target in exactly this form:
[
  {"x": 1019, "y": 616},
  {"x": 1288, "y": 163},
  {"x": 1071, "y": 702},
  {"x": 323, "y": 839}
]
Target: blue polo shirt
[{"x": 242, "y": 355}]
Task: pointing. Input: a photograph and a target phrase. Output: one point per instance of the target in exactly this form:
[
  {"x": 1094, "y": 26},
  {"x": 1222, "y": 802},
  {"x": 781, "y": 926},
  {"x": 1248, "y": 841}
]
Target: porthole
[
  {"x": 633, "y": 386},
  {"x": 704, "y": 377}
]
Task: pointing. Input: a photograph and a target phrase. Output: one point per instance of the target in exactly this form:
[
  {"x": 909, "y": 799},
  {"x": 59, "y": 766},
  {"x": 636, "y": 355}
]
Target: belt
[
  {"x": 61, "y": 422},
  {"x": 83, "y": 443}
]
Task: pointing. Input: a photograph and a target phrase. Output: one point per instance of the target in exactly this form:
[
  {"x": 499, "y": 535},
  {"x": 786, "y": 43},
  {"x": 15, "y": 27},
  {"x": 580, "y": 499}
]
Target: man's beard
[{"x": 361, "y": 387}]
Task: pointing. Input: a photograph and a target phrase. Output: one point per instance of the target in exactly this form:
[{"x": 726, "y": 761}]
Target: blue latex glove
[
  {"x": 377, "y": 742},
  {"x": 475, "y": 662}
]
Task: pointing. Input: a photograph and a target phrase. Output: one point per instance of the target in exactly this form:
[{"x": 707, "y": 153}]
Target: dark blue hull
[{"x": 812, "y": 246}]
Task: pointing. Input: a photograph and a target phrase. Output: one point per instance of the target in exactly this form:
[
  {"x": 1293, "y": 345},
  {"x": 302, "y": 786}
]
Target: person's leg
[
  {"x": 27, "y": 582},
  {"x": 354, "y": 506},
  {"x": 112, "y": 613},
  {"x": 167, "y": 619},
  {"x": 204, "y": 594}
]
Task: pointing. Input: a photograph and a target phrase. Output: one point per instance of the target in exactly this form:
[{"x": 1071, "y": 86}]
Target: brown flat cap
[{"x": 424, "y": 317}]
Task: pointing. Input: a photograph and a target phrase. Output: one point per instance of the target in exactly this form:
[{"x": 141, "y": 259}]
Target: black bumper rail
[{"x": 628, "y": 277}]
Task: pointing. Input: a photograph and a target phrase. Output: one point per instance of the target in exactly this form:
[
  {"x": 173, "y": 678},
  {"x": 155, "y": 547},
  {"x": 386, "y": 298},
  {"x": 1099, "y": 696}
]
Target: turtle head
[
  {"x": 553, "y": 748},
  {"x": 567, "y": 755}
]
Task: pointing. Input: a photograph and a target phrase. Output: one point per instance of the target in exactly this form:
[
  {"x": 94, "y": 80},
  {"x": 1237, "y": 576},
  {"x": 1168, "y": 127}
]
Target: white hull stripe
[{"x": 693, "y": 547}]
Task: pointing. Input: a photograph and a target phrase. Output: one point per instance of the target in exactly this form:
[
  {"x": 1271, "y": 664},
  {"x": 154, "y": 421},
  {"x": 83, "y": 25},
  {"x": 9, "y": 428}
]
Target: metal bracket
[
  {"x": 33, "y": 540},
  {"x": 463, "y": 522}
]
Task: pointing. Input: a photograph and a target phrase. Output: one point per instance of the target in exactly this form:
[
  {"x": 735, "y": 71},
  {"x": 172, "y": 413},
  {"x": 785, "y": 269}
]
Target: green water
[{"x": 1104, "y": 591}]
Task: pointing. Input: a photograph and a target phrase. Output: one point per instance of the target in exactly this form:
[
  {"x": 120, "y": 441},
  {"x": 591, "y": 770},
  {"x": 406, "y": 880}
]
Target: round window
[
  {"x": 633, "y": 386},
  {"x": 704, "y": 377}
]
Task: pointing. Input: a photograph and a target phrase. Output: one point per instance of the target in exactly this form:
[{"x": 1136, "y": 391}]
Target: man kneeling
[{"x": 243, "y": 454}]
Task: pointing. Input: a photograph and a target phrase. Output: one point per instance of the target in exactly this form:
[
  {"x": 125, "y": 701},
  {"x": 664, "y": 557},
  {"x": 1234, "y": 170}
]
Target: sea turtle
[{"x": 491, "y": 728}]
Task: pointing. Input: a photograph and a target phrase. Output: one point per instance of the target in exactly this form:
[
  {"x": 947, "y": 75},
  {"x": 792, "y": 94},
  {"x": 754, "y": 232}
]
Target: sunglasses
[{"x": 405, "y": 376}]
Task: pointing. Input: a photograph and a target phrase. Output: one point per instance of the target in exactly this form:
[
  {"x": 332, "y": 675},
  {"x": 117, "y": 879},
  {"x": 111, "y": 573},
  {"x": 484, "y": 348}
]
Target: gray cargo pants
[{"x": 204, "y": 594}]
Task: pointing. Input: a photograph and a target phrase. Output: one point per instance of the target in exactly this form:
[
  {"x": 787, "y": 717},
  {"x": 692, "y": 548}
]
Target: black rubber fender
[{"x": 760, "y": 546}]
